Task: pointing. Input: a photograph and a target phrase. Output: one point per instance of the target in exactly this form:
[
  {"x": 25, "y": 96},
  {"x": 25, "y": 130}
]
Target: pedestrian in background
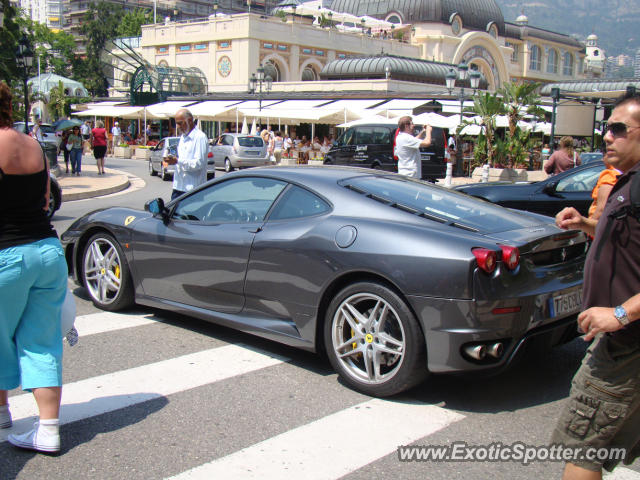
[
  {"x": 191, "y": 163},
  {"x": 33, "y": 283},
  {"x": 408, "y": 146},
  {"x": 99, "y": 144},
  {"x": 117, "y": 135},
  {"x": 85, "y": 130},
  {"x": 563, "y": 159},
  {"x": 74, "y": 145},
  {"x": 63, "y": 147},
  {"x": 603, "y": 411}
]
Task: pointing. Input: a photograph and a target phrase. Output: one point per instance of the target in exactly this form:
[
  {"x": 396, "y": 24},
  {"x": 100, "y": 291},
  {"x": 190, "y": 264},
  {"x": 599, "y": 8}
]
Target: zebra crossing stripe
[
  {"x": 108, "y": 321},
  {"x": 621, "y": 473},
  {"x": 106, "y": 393},
  {"x": 332, "y": 446}
]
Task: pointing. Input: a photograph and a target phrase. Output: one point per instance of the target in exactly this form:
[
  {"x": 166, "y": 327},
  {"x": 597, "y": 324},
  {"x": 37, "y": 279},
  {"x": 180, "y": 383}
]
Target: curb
[{"x": 98, "y": 192}]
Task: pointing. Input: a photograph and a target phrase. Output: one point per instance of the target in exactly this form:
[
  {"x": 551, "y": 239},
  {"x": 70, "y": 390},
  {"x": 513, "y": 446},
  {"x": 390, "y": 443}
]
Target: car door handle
[{"x": 256, "y": 230}]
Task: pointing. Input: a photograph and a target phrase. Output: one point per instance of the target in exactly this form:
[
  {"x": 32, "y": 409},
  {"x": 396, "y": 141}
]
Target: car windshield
[
  {"x": 250, "y": 141},
  {"x": 439, "y": 204}
]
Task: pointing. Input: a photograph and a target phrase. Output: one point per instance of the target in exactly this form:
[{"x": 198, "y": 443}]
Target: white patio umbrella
[
  {"x": 370, "y": 119},
  {"x": 254, "y": 128},
  {"x": 245, "y": 127},
  {"x": 435, "y": 120},
  {"x": 471, "y": 130}
]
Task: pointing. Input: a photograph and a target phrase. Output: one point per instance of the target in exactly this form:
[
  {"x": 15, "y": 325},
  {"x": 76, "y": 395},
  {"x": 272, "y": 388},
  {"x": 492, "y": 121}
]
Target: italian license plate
[
  {"x": 565, "y": 304},
  {"x": 253, "y": 153}
]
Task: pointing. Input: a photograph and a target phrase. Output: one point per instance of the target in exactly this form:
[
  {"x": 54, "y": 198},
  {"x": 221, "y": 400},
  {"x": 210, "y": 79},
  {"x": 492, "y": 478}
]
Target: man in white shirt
[
  {"x": 191, "y": 163},
  {"x": 116, "y": 132},
  {"x": 407, "y": 147}
]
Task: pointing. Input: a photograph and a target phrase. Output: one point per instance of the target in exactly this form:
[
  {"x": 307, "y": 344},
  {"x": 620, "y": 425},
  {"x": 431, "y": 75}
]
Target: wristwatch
[{"x": 621, "y": 315}]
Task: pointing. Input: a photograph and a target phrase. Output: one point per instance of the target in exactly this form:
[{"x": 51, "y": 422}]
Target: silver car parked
[
  {"x": 166, "y": 146},
  {"x": 235, "y": 150}
]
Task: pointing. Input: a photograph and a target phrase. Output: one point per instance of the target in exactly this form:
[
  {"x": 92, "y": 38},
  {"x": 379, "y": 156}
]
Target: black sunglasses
[{"x": 619, "y": 129}]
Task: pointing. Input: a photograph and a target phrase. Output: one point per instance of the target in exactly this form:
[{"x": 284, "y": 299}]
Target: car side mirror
[
  {"x": 156, "y": 207},
  {"x": 550, "y": 188}
]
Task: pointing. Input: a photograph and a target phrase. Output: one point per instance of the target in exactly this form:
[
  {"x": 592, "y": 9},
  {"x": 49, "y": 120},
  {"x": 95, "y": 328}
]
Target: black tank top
[{"x": 22, "y": 218}]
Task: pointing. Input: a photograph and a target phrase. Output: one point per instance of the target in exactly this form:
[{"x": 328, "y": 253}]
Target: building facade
[
  {"x": 48, "y": 12},
  {"x": 294, "y": 49}
]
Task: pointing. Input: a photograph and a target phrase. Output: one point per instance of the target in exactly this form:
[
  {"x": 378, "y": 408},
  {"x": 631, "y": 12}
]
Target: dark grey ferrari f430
[{"x": 394, "y": 278}]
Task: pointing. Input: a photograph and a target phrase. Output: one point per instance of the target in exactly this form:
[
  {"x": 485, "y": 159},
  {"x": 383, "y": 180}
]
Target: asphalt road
[{"x": 150, "y": 394}]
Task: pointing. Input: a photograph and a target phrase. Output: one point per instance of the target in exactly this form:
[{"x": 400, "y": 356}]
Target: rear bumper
[
  {"x": 245, "y": 162},
  {"x": 451, "y": 325}
]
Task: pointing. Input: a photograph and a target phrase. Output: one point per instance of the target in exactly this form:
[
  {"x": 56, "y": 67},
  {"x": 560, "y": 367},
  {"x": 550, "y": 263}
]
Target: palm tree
[
  {"x": 520, "y": 99},
  {"x": 488, "y": 106},
  {"x": 57, "y": 101}
]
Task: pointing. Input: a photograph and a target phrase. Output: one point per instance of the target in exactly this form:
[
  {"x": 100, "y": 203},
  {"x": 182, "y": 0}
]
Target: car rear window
[
  {"x": 250, "y": 142},
  {"x": 438, "y": 203}
]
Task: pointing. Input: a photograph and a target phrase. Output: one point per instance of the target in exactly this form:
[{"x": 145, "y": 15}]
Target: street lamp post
[
  {"x": 215, "y": 9},
  {"x": 462, "y": 73},
  {"x": 259, "y": 83},
  {"x": 24, "y": 57}
]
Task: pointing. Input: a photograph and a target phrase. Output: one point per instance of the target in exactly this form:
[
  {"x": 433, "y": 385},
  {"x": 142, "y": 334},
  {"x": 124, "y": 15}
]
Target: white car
[
  {"x": 236, "y": 150},
  {"x": 48, "y": 133}
]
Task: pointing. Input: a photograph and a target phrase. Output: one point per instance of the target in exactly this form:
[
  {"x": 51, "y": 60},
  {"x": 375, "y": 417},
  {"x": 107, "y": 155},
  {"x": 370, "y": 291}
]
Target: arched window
[
  {"x": 309, "y": 74},
  {"x": 271, "y": 69},
  {"x": 567, "y": 66},
  {"x": 394, "y": 18},
  {"x": 535, "y": 62},
  {"x": 552, "y": 61}
]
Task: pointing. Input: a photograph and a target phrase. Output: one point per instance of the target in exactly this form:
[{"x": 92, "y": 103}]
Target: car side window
[
  {"x": 227, "y": 140},
  {"x": 297, "y": 203},
  {"x": 381, "y": 136},
  {"x": 347, "y": 137},
  {"x": 239, "y": 200},
  {"x": 364, "y": 136},
  {"x": 583, "y": 181}
]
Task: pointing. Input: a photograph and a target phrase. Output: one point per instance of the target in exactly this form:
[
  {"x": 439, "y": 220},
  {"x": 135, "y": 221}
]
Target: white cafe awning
[
  {"x": 112, "y": 111},
  {"x": 166, "y": 109}
]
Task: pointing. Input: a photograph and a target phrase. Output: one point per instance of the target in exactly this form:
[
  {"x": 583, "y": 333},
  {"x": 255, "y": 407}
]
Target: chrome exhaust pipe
[
  {"x": 477, "y": 352},
  {"x": 496, "y": 350}
]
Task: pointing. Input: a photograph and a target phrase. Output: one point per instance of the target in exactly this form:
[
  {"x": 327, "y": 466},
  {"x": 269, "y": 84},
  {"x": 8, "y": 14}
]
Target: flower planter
[
  {"x": 501, "y": 174},
  {"x": 142, "y": 153},
  {"x": 122, "y": 152}
]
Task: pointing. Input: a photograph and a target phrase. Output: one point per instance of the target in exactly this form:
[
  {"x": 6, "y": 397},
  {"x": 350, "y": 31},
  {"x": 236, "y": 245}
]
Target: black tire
[
  {"x": 105, "y": 273},
  {"x": 152, "y": 171},
  {"x": 211, "y": 175},
  {"x": 227, "y": 165},
  {"x": 166, "y": 176},
  {"x": 55, "y": 199},
  {"x": 400, "y": 332}
]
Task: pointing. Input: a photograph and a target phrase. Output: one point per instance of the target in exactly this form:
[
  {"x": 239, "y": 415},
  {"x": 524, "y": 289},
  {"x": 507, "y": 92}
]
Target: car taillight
[
  {"x": 209, "y": 155},
  {"x": 510, "y": 256},
  {"x": 486, "y": 259}
]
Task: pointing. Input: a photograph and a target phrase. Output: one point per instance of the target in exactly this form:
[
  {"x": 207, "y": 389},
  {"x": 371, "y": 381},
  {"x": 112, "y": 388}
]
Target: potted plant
[{"x": 122, "y": 150}]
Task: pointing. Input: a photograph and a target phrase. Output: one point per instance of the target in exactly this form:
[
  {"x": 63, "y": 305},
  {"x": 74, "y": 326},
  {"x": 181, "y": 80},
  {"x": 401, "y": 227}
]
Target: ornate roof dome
[
  {"x": 522, "y": 19},
  {"x": 593, "y": 36},
  {"x": 475, "y": 14}
]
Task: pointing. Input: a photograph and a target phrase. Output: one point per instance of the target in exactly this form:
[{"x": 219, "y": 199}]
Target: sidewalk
[{"x": 89, "y": 184}]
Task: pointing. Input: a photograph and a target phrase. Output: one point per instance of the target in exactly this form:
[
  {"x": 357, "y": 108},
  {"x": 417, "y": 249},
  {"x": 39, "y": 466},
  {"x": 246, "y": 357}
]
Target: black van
[{"x": 371, "y": 145}]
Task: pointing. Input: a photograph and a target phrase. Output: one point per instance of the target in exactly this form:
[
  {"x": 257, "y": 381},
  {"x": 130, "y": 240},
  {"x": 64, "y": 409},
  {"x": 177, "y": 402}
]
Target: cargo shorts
[{"x": 603, "y": 409}]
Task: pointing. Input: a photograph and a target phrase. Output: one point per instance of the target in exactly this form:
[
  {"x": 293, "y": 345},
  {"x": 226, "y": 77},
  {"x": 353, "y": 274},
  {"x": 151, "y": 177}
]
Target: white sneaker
[
  {"x": 37, "y": 440},
  {"x": 5, "y": 418}
]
